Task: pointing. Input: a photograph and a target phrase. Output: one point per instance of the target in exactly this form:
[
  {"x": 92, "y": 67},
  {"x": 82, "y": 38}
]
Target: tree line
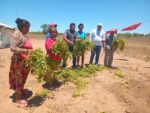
[{"x": 45, "y": 28}]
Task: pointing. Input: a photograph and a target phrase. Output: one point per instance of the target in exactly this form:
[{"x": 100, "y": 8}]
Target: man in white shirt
[{"x": 98, "y": 38}]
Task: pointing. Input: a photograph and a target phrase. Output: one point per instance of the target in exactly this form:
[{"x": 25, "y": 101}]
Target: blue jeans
[{"x": 96, "y": 50}]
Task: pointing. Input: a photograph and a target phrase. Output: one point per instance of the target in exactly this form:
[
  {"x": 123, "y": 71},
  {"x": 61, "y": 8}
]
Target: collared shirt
[{"x": 97, "y": 37}]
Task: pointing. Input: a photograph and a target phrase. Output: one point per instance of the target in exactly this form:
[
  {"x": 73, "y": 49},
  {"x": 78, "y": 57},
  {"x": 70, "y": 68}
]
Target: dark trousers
[
  {"x": 96, "y": 50},
  {"x": 74, "y": 58}
]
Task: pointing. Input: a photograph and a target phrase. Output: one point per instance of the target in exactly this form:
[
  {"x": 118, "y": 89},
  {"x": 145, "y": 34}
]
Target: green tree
[{"x": 45, "y": 28}]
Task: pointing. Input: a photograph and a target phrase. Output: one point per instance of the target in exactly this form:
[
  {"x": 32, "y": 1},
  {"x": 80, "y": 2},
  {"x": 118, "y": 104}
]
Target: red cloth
[
  {"x": 27, "y": 45},
  {"x": 111, "y": 30},
  {"x": 48, "y": 45},
  {"x": 132, "y": 27},
  {"x": 18, "y": 75}
]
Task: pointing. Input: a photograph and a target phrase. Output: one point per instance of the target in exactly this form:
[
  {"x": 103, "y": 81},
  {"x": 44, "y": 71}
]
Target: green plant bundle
[
  {"x": 60, "y": 48},
  {"x": 52, "y": 64},
  {"x": 37, "y": 63},
  {"x": 118, "y": 44},
  {"x": 81, "y": 46}
]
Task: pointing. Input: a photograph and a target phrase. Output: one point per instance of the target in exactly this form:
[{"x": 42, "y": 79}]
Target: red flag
[{"x": 132, "y": 27}]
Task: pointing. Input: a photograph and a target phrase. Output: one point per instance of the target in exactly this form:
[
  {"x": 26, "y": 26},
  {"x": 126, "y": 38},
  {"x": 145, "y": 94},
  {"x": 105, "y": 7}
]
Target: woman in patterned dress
[{"x": 20, "y": 46}]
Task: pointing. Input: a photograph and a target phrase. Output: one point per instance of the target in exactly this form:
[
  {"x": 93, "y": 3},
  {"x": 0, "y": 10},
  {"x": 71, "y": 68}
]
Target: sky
[{"x": 111, "y": 13}]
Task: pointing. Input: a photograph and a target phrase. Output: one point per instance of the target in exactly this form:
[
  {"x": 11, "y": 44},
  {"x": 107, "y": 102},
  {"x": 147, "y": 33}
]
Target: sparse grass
[
  {"x": 76, "y": 92},
  {"x": 119, "y": 74},
  {"x": 81, "y": 84},
  {"x": 42, "y": 93},
  {"x": 125, "y": 84}
]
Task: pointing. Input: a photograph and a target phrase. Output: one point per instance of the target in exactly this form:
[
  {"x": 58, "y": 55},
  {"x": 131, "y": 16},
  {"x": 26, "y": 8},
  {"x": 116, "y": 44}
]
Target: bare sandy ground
[{"x": 105, "y": 93}]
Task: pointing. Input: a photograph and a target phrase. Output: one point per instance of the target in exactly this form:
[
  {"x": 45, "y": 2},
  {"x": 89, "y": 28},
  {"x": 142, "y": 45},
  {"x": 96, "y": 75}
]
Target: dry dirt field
[{"x": 105, "y": 92}]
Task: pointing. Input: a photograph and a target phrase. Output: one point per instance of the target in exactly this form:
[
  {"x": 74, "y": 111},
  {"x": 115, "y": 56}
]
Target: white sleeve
[{"x": 104, "y": 37}]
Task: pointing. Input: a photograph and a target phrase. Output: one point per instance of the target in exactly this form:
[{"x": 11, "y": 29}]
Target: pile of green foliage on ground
[{"x": 77, "y": 76}]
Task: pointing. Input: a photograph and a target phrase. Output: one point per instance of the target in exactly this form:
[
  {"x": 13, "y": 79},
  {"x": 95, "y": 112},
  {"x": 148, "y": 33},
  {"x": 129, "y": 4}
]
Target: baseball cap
[
  {"x": 99, "y": 24},
  {"x": 53, "y": 25}
]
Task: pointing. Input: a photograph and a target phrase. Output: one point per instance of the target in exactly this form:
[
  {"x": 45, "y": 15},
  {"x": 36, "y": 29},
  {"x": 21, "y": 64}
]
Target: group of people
[
  {"x": 70, "y": 36},
  {"x": 21, "y": 46},
  {"x": 97, "y": 36}
]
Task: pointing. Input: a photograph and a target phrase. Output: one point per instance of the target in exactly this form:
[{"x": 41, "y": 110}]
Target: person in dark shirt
[
  {"x": 109, "y": 52},
  {"x": 70, "y": 37}
]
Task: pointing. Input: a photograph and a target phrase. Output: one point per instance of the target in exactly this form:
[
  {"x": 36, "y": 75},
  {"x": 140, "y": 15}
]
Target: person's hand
[
  {"x": 52, "y": 51},
  {"x": 72, "y": 43},
  {"x": 30, "y": 50},
  {"x": 104, "y": 49}
]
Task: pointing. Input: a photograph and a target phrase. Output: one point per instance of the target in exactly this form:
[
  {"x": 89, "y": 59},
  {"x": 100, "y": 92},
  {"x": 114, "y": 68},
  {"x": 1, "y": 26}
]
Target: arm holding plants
[
  {"x": 16, "y": 42},
  {"x": 16, "y": 49},
  {"x": 104, "y": 40},
  {"x": 104, "y": 48},
  {"x": 48, "y": 46},
  {"x": 68, "y": 41},
  {"x": 115, "y": 36}
]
